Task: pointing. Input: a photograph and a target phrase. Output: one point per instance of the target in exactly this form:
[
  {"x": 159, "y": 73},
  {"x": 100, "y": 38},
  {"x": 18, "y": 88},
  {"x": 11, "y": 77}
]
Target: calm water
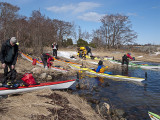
[
  {"x": 136, "y": 99},
  {"x": 149, "y": 63}
]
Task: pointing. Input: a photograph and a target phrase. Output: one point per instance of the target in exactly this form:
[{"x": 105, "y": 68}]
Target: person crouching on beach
[{"x": 46, "y": 58}]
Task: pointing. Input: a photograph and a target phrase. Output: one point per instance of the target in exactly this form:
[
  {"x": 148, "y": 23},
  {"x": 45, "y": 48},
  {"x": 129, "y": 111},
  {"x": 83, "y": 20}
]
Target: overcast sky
[{"x": 143, "y": 14}]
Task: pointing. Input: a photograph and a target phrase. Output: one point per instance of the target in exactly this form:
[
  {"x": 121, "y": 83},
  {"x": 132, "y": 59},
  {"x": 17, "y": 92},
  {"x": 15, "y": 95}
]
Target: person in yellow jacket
[{"x": 82, "y": 52}]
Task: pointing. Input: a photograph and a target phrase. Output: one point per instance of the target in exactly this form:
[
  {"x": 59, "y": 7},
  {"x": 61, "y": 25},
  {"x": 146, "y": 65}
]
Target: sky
[{"x": 143, "y": 14}]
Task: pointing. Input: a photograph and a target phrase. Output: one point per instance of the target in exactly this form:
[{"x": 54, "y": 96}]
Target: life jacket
[{"x": 103, "y": 69}]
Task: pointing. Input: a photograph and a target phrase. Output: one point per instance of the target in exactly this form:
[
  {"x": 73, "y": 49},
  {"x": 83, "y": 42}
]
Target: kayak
[
  {"x": 41, "y": 64},
  {"x": 66, "y": 61},
  {"x": 91, "y": 72},
  {"x": 98, "y": 58},
  {"x": 143, "y": 66},
  {"x": 118, "y": 62},
  {"x": 153, "y": 116},
  {"x": 52, "y": 85}
]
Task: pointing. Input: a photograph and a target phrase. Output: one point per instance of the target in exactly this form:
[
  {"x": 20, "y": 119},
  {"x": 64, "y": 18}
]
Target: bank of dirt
[{"x": 47, "y": 105}]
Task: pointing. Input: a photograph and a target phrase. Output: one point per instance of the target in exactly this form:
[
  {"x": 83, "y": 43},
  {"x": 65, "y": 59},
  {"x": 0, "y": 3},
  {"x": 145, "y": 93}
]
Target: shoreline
[{"x": 28, "y": 67}]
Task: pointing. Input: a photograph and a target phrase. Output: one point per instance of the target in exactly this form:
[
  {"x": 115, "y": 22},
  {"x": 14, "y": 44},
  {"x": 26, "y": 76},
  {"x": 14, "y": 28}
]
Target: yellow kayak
[{"x": 91, "y": 72}]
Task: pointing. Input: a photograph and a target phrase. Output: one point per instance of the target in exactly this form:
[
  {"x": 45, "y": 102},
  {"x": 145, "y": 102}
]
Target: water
[
  {"x": 136, "y": 99},
  {"x": 148, "y": 63}
]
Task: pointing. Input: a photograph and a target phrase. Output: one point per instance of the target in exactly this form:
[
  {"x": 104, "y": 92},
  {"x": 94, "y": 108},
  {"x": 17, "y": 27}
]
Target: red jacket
[{"x": 128, "y": 55}]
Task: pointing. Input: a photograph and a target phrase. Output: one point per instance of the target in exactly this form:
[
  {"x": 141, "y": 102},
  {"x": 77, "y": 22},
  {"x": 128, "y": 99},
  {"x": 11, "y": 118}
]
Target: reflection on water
[
  {"x": 99, "y": 80},
  {"x": 125, "y": 70},
  {"x": 136, "y": 99}
]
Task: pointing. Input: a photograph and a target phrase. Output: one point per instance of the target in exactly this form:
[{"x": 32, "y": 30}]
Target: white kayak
[
  {"x": 52, "y": 85},
  {"x": 132, "y": 64}
]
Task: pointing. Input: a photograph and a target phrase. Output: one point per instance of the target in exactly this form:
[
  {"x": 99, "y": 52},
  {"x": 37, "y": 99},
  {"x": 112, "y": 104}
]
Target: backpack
[
  {"x": 12, "y": 74},
  {"x": 29, "y": 79}
]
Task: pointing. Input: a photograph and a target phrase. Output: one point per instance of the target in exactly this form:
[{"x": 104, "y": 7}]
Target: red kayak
[{"x": 52, "y": 85}]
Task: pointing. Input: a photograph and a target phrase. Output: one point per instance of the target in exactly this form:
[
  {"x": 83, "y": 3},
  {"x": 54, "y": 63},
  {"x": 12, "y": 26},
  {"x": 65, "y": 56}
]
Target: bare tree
[
  {"x": 117, "y": 30},
  {"x": 63, "y": 30},
  {"x": 8, "y": 16},
  {"x": 97, "y": 38},
  {"x": 36, "y": 29}
]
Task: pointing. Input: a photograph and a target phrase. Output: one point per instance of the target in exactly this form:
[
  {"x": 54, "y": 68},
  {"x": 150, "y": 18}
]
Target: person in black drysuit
[
  {"x": 8, "y": 57},
  {"x": 88, "y": 50},
  {"x": 125, "y": 60},
  {"x": 55, "y": 48}
]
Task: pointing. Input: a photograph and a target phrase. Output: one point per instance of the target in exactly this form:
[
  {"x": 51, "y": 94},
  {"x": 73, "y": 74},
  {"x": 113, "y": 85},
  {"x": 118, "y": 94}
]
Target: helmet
[{"x": 100, "y": 62}]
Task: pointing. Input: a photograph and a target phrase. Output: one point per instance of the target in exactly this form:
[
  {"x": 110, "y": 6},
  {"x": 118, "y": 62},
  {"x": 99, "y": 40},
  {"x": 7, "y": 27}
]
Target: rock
[
  {"x": 96, "y": 89},
  {"x": 36, "y": 70},
  {"x": 104, "y": 99},
  {"x": 43, "y": 75},
  {"x": 115, "y": 118},
  {"x": 81, "y": 86},
  {"x": 88, "y": 94},
  {"x": 49, "y": 77},
  {"x": 106, "y": 84},
  {"x": 123, "y": 119},
  {"x": 93, "y": 101},
  {"x": 103, "y": 109},
  {"x": 119, "y": 112}
]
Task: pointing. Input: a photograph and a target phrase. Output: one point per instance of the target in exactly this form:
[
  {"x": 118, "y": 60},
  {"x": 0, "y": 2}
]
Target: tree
[
  {"x": 116, "y": 30},
  {"x": 98, "y": 38},
  {"x": 63, "y": 30},
  {"x": 8, "y": 16},
  {"x": 69, "y": 42},
  {"x": 82, "y": 42},
  {"x": 37, "y": 28}
]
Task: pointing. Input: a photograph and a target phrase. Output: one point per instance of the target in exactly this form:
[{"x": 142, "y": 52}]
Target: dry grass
[{"x": 46, "y": 104}]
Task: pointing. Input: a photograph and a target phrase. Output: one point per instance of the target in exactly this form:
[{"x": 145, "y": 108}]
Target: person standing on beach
[
  {"x": 8, "y": 56},
  {"x": 55, "y": 48}
]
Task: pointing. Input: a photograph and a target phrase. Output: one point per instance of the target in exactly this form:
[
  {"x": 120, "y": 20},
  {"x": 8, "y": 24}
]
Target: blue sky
[{"x": 143, "y": 14}]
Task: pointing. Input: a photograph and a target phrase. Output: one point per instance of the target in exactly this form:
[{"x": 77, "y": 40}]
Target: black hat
[{"x": 100, "y": 62}]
